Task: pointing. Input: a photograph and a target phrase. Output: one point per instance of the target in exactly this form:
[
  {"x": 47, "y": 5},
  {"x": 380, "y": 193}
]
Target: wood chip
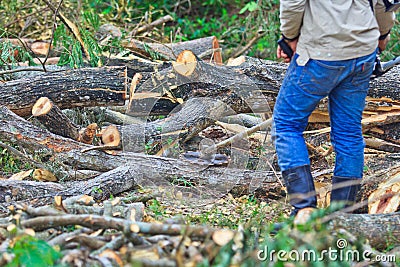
[
  {"x": 21, "y": 175},
  {"x": 44, "y": 175}
]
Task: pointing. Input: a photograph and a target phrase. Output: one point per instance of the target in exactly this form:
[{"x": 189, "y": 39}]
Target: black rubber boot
[
  {"x": 344, "y": 190},
  {"x": 300, "y": 187}
]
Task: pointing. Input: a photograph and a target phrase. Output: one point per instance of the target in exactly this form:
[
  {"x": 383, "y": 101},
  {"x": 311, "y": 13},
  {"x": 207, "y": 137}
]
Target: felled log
[
  {"x": 206, "y": 48},
  {"x": 54, "y": 119},
  {"x": 67, "y": 89},
  {"x": 16, "y": 130},
  {"x": 33, "y": 139},
  {"x": 195, "y": 115},
  {"x": 379, "y": 229},
  {"x": 102, "y": 187}
]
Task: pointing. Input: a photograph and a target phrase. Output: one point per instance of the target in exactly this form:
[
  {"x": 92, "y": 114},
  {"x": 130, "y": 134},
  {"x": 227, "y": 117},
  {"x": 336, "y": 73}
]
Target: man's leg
[
  {"x": 301, "y": 91},
  {"x": 346, "y": 104}
]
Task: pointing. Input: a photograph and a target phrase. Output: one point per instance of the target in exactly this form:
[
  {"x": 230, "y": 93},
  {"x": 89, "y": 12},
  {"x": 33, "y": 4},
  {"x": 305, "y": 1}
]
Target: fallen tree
[{"x": 67, "y": 89}]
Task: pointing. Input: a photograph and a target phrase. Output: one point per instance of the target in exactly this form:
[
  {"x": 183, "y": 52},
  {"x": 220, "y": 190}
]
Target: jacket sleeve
[
  {"x": 291, "y": 17},
  {"x": 385, "y": 19}
]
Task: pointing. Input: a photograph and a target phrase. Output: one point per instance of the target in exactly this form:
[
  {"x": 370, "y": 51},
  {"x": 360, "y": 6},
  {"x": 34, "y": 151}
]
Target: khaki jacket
[{"x": 334, "y": 29}]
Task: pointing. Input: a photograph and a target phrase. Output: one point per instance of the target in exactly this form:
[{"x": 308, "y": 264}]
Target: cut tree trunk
[
  {"x": 380, "y": 229},
  {"x": 102, "y": 187},
  {"x": 67, "y": 89},
  {"x": 206, "y": 48},
  {"x": 57, "y": 122},
  {"x": 35, "y": 140}
]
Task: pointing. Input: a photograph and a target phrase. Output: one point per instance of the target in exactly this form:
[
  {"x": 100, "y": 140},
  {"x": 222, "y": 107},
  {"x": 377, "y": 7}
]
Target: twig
[
  {"x": 52, "y": 33},
  {"x": 101, "y": 148},
  {"x": 240, "y": 135},
  {"x": 150, "y": 26},
  {"x": 23, "y": 69},
  {"x": 249, "y": 44}
]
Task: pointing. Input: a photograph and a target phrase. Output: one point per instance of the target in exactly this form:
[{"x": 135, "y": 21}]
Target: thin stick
[
  {"x": 240, "y": 135},
  {"x": 52, "y": 33}
]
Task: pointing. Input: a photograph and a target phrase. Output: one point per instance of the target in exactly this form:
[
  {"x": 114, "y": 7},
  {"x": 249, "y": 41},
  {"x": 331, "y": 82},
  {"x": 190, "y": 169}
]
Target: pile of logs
[{"x": 190, "y": 92}]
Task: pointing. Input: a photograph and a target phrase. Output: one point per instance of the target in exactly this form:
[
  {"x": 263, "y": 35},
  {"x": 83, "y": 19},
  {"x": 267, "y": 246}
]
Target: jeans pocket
[
  {"x": 320, "y": 77},
  {"x": 364, "y": 74}
]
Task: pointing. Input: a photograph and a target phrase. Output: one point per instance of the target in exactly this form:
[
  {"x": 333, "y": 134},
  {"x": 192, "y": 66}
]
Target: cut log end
[
  {"x": 185, "y": 63},
  {"x": 42, "y": 106},
  {"x": 111, "y": 136}
]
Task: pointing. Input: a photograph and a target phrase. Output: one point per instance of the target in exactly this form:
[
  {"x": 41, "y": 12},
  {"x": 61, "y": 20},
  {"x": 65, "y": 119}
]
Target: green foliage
[
  {"x": 250, "y": 6},
  {"x": 9, "y": 164},
  {"x": 97, "y": 190},
  {"x": 314, "y": 242},
  {"x": 393, "y": 48},
  {"x": 29, "y": 251},
  {"x": 156, "y": 208},
  {"x": 72, "y": 53},
  {"x": 11, "y": 54}
]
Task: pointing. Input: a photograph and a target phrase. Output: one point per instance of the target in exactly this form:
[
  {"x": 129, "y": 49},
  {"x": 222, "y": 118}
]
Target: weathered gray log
[
  {"x": 195, "y": 115},
  {"x": 379, "y": 229},
  {"x": 102, "y": 187},
  {"x": 58, "y": 123},
  {"x": 33, "y": 139},
  {"x": 67, "y": 89},
  {"x": 145, "y": 168}
]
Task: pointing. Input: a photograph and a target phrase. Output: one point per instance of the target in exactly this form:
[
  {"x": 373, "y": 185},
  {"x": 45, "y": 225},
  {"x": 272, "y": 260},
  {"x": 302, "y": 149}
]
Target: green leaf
[
  {"x": 251, "y": 6},
  {"x": 29, "y": 251}
]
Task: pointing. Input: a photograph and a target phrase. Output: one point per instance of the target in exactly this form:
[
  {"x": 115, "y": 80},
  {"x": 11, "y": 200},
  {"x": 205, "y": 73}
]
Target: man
[{"x": 335, "y": 45}]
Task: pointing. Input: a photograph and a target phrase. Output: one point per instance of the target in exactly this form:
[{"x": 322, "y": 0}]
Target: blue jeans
[{"x": 346, "y": 84}]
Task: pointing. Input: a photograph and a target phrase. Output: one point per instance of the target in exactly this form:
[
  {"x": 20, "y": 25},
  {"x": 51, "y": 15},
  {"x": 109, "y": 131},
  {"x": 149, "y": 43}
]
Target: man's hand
[
  {"x": 281, "y": 54},
  {"x": 383, "y": 43}
]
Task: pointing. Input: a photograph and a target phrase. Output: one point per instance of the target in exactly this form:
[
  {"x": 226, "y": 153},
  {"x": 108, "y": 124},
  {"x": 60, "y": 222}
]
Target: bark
[
  {"x": 251, "y": 87},
  {"x": 67, "y": 89},
  {"x": 206, "y": 48},
  {"x": 126, "y": 226},
  {"x": 33, "y": 139},
  {"x": 58, "y": 123},
  {"x": 379, "y": 229},
  {"x": 195, "y": 115}
]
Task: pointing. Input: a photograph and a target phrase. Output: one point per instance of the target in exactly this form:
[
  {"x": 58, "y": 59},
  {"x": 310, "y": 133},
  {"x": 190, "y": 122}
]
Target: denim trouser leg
[
  {"x": 345, "y": 111},
  {"x": 345, "y": 82}
]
